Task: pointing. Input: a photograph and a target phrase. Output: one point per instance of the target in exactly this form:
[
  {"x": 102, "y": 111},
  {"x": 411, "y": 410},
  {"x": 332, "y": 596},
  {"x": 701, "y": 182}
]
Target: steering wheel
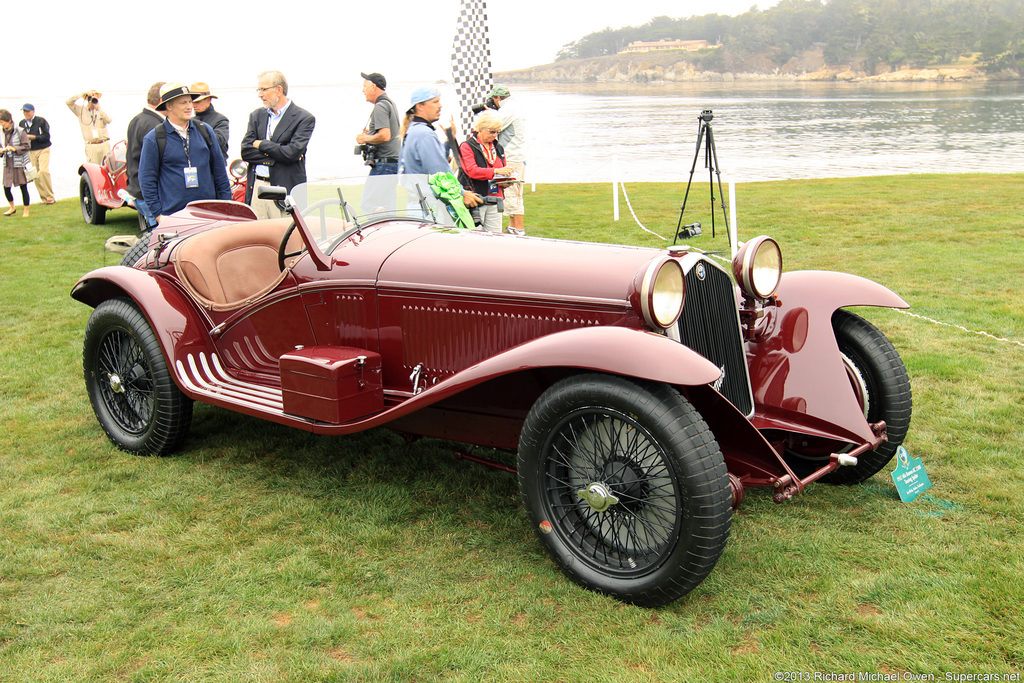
[{"x": 282, "y": 255}]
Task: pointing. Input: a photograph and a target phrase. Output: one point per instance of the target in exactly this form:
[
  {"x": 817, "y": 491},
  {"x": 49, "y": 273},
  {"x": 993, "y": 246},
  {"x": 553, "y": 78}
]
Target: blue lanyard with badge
[{"x": 191, "y": 173}]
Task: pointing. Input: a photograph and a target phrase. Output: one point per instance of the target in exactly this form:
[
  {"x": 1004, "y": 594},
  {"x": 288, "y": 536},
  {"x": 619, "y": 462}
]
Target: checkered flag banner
[{"x": 471, "y": 61}]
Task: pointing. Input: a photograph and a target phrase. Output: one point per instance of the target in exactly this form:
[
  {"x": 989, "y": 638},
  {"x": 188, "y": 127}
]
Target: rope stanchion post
[
  {"x": 615, "y": 187},
  {"x": 733, "y": 232}
]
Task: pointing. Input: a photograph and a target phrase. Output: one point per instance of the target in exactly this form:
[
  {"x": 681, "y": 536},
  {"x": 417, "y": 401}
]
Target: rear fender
[
  {"x": 180, "y": 327},
  {"x": 797, "y": 372}
]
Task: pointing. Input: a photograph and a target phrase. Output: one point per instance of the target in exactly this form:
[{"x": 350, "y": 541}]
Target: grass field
[{"x": 262, "y": 553}]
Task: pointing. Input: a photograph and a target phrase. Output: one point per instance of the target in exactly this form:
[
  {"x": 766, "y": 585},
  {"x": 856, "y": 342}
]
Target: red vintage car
[
  {"x": 104, "y": 186},
  {"x": 642, "y": 389}
]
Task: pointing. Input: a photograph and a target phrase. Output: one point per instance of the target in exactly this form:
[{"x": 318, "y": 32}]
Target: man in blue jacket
[{"x": 180, "y": 162}]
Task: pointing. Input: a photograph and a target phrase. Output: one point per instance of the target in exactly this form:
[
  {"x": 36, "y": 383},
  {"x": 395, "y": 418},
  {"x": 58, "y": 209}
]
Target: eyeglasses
[
  {"x": 260, "y": 91},
  {"x": 492, "y": 131}
]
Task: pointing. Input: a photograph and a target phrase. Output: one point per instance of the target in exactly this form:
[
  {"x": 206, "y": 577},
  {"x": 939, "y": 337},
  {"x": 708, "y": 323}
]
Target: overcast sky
[{"x": 122, "y": 45}]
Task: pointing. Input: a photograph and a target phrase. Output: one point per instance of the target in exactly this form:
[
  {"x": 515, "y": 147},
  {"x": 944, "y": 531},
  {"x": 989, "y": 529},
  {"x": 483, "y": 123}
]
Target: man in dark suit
[
  {"x": 275, "y": 142},
  {"x": 145, "y": 121}
]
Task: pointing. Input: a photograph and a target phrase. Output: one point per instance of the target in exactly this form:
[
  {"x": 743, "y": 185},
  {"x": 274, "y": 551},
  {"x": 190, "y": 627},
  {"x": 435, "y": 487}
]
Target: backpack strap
[{"x": 161, "y": 143}]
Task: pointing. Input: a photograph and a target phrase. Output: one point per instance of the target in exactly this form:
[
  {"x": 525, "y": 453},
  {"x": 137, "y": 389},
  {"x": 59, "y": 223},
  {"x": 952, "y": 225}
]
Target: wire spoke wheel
[
  {"x": 625, "y": 487},
  {"x": 131, "y": 390},
  {"x": 609, "y": 483},
  {"x": 126, "y": 381}
]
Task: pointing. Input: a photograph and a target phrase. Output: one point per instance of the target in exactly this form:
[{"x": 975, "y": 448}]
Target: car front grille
[{"x": 710, "y": 326}]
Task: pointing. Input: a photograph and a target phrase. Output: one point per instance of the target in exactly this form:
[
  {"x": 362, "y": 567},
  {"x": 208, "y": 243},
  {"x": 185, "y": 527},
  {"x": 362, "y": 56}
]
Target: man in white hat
[
  {"x": 181, "y": 161},
  {"x": 203, "y": 104}
]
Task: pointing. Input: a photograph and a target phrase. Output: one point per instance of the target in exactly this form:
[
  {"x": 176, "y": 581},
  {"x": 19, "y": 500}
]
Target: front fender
[
  {"x": 179, "y": 326},
  {"x": 101, "y": 186},
  {"x": 797, "y": 373},
  {"x": 830, "y": 290}
]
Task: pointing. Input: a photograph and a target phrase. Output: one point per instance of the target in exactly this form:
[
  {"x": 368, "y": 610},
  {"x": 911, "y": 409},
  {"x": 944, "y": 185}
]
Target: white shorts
[{"x": 514, "y": 193}]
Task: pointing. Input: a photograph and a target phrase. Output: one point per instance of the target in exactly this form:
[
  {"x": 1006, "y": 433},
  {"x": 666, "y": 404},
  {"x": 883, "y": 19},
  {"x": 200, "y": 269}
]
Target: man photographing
[
  {"x": 380, "y": 145},
  {"x": 379, "y": 140},
  {"x": 93, "y": 121}
]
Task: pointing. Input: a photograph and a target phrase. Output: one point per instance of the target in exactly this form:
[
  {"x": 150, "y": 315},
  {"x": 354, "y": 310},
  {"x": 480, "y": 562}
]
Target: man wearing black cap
[
  {"x": 379, "y": 144},
  {"x": 38, "y": 131},
  {"x": 381, "y": 132}
]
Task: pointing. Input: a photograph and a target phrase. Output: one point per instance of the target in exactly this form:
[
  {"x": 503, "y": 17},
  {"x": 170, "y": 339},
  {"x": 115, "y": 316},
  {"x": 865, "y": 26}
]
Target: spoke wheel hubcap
[{"x": 598, "y": 497}]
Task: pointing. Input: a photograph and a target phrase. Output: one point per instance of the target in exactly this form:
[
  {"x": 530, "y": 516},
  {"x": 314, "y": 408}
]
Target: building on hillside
[{"x": 645, "y": 46}]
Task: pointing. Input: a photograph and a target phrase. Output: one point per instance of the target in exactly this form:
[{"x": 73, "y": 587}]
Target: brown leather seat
[{"x": 232, "y": 266}]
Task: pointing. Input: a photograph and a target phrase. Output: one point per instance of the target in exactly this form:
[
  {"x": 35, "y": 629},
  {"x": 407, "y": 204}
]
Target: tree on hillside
[{"x": 875, "y": 34}]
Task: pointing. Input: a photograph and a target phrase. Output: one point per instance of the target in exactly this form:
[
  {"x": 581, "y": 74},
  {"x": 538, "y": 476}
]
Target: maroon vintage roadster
[{"x": 642, "y": 389}]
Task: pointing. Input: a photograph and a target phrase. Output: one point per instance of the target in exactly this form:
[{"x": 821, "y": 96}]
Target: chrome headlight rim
[
  {"x": 238, "y": 169},
  {"x": 662, "y": 293},
  {"x": 758, "y": 267}
]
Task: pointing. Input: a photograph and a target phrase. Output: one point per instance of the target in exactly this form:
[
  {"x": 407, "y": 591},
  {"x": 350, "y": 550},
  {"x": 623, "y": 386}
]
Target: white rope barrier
[
  {"x": 980, "y": 333},
  {"x": 731, "y": 176},
  {"x": 630, "y": 205}
]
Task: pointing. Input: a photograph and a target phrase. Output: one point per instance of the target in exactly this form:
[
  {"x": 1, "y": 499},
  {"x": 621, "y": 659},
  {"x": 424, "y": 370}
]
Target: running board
[{"x": 207, "y": 379}]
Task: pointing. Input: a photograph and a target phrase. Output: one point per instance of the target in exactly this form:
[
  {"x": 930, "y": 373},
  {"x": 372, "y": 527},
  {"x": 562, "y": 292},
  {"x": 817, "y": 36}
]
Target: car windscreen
[{"x": 336, "y": 206}]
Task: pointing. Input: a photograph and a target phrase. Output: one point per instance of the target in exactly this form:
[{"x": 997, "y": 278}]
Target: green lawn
[{"x": 262, "y": 553}]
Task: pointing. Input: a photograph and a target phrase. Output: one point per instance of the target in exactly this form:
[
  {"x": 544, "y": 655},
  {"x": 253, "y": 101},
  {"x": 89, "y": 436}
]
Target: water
[{"x": 762, "y": 131}]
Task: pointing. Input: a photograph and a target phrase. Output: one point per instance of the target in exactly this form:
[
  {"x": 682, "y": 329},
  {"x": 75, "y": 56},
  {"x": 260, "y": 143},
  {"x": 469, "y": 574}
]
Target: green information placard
[{"x": 909, "y": 476}]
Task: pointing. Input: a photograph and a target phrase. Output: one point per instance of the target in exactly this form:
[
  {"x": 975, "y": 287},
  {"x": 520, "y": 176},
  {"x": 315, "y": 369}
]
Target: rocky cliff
[{"x": 719, "y": 65}]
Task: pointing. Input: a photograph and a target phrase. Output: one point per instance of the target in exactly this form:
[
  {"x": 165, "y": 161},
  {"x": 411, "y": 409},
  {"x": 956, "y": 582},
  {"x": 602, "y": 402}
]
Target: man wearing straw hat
[
  {"x": 203, "y": 104},
  {"x": 181, "y": 161}
]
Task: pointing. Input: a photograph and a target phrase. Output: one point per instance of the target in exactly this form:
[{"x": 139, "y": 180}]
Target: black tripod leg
[
  {"x": 721, "y": 194},
  {"x": 710, "y": 161},
  {"x": 693, "y": 167}
]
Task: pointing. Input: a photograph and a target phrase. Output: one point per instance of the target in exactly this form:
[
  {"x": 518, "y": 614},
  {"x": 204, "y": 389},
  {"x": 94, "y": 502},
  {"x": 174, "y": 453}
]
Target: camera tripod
[{"x": 707, "y": 136}]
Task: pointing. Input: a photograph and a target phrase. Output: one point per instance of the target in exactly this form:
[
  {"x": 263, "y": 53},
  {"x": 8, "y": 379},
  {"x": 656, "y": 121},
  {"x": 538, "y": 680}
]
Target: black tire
[
  {"x": 92, "y": 211},
  {"x": 658, "y": 504},
  {"x": 879, "y": 378},
  {"x": 133, "y": 395},
  {"x": 132, "y": 256}
]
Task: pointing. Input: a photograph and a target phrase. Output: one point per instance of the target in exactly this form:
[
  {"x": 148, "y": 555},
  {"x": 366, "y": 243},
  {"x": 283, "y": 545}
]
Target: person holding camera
[
  {"x": 379, "y": 142},
  {"x": 380, "y": 145},
  {"x": 483, "y": 166},
  {"x": 93, "y": 121}
]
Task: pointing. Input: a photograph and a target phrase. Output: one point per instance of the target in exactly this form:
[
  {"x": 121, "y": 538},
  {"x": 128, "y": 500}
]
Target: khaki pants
[
  {"x": 94, "y": 152},
  {"x": 262, "y": 207},
  {"x": 41, "y": 160}
]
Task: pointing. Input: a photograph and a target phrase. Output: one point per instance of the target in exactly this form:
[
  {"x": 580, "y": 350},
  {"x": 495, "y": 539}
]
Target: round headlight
[
  {"x": 662, "y": 293},
  {"x": 238, "y": 168},
  {"x": 758, "y": 267}
]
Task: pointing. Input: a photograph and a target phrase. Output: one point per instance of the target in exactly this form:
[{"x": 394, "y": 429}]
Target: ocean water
[{"x": 594, "y": 133}]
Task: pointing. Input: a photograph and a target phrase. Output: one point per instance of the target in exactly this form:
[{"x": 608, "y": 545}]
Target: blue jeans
[
  {"x": 143, "y": 208},
  {"x": 385, "y": 168}
]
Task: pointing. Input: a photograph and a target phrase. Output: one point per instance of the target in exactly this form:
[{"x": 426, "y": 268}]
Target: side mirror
[{"x": 271, "y": 192}]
